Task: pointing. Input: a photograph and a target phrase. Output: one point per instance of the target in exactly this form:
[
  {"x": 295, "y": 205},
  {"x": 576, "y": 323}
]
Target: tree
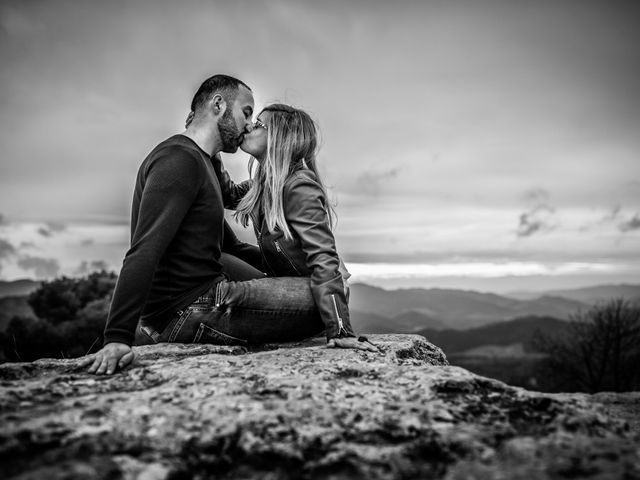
[
  {"x": 599, "y": 351},
  {"x": 71, "y": 312},
  {"x": 95, "y": 286},
  {"x": 61, "y": 299}
]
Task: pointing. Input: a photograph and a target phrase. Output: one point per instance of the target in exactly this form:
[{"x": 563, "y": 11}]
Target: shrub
[
  {"x": 71, "y": 312},
  {"x": 599, "y": 351}
]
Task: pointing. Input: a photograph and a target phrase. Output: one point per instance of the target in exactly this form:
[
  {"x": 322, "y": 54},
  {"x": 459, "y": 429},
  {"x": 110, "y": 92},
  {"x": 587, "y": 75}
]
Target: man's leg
[{"x": 266, "y": 310}]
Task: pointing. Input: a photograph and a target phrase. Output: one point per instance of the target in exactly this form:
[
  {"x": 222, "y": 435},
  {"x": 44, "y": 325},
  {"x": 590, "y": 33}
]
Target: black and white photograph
[{"x": 296, "y": 239}]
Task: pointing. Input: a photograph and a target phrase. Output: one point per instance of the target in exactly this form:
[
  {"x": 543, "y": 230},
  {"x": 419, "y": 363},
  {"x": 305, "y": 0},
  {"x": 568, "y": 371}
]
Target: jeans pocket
[
  {"x": 174, "y": 329},
  {"x": 148, "y": 335},
  {"x": 207, "y": 334}
]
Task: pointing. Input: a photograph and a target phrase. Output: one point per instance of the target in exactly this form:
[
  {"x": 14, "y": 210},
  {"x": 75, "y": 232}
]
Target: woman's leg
[
  {"x": 272, "y": 309},
  {"x": 246, "y": 252},
  {"x": 238, "y": 270}
]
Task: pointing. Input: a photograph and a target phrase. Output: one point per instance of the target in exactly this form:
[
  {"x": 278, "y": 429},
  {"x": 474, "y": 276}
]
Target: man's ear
[{"x": 218, "y": 105}]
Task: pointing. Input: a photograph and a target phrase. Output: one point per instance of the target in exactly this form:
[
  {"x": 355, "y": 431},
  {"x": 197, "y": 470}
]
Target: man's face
[{"x": 236, "y": 120}]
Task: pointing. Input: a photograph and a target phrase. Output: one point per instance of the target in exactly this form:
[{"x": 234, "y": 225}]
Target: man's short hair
[{"x": 223, "y": 84}]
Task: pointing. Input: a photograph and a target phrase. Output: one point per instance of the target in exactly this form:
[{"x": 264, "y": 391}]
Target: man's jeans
[{"x": 264, "y": 310}]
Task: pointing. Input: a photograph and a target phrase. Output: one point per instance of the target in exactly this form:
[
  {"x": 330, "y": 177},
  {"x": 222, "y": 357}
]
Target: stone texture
[{"x": 301, "y": 410}]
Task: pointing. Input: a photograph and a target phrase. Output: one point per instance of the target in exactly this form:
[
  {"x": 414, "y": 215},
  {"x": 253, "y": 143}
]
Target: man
[{"x": 172, "y": 279}]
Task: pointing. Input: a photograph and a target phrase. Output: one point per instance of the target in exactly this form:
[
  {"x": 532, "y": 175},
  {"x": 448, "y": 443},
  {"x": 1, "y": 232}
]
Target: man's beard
[{"x": 229, "y": 134}]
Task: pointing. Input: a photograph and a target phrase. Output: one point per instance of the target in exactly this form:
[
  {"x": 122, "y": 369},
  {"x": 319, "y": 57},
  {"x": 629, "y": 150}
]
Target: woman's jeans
[{"x": 261, "y": 310}]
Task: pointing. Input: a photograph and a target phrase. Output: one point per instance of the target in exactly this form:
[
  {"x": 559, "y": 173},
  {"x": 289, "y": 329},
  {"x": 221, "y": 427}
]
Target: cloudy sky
[{"x": 492, "y": 145}]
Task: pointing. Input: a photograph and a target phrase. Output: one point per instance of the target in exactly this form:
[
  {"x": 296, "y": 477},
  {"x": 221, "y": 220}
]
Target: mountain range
[
  {"x": 439, "y": 314},
  {"x": 17, "y": 287},
  {"x": 587, "y": 295},
  {"x": 511, "y": 332},
  {"x": 376, "y": 310}
]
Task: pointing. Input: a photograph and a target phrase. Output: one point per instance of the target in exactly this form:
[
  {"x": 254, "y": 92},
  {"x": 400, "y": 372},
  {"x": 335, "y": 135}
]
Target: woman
[{"x": 287, "y": 204}]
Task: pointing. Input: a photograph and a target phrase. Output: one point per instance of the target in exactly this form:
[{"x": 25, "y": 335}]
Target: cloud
[
  {"x": 42, "y": 267},
  {"x": 371, "y": 182},
  {"x": 56, "y": 226},
  {"x": 630, "y": 225},
  {"x": 613, "y": 214},
  {"x": 536, "y": 195},
  {"x": 17, "y": 24},
  {"x": 539, "y": 217},
  {"x": 3, "y": 220},
  {"x": 528, "y": 227},
  {"x": 94, "y": 266},
  {"x": 6, "y": 249},
  {"x": 51, "y": 228}
]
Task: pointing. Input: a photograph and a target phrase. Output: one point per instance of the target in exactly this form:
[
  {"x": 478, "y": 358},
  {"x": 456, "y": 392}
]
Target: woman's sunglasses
[{"x": 259, "y": 124}]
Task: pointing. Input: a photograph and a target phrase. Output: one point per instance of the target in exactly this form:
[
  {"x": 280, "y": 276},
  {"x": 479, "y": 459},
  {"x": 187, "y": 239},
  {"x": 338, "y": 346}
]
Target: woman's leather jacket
[{"x": 312, "y": 251}]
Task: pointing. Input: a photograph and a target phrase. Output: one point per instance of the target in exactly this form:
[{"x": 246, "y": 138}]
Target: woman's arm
[
  {"x": 232, "y": 193},
  {"x": 306, "y": 215}
]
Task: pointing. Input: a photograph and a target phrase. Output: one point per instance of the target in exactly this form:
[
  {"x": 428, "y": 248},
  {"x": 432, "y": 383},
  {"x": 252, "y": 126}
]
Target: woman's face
[{"x": 255, "y": 142}]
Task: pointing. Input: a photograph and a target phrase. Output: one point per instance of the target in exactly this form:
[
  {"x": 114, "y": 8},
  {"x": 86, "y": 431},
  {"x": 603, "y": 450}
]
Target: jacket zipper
[
  {"x": 285, "y": 255},
  {"x": 264, "y": 257},
  {"x": 335, "y": 306},
  {"x": 258, "y": 232}
]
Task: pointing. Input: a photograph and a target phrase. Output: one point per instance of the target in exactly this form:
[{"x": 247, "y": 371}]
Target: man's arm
[
  {"x": 107, "y": 360},
  {"x": 170, "y": 187}
]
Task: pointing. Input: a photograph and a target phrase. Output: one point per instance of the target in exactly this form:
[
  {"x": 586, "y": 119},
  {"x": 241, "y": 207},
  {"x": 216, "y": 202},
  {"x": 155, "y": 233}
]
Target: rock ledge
[{"x": 299, "y": 411}]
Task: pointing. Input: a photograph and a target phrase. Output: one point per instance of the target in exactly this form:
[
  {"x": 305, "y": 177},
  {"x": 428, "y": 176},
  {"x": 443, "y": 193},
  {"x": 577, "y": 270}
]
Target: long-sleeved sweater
[{"x": 176, "y": 236}]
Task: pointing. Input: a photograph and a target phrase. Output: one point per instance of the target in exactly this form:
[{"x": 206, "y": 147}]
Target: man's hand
[
  {"x": 352, "y": 342},
  {"x": 113, "y": 355}
]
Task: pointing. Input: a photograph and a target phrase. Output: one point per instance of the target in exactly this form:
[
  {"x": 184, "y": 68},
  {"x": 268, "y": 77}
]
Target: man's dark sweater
[{"x": 176, "y": 234}]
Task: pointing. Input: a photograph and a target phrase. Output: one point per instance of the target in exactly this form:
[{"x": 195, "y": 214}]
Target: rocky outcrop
[{"x": 300, "y": 411}]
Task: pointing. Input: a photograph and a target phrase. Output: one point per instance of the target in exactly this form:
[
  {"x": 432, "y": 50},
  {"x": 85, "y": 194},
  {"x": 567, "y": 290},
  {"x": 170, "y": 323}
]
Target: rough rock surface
[{"x": 301, "y": 411}]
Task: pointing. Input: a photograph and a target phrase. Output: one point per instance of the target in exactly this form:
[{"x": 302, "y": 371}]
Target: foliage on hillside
[
  {"x": 14, "y": 306},
  {"x": 70, "y": 318},
  {"x": 600, "y": 351},
  {"x": 519, "y": 330}
]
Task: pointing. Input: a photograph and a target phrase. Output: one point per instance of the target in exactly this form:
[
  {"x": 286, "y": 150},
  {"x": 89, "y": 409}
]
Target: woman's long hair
[{"x": 292, "y": 143}]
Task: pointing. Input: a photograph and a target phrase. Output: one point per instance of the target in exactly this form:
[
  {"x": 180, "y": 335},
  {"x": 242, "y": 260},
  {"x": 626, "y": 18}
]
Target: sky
[{"x": 488, "y": 145}]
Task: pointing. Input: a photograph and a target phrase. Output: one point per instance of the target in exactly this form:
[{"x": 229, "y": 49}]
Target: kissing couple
[{"x": 187, "y": 278}]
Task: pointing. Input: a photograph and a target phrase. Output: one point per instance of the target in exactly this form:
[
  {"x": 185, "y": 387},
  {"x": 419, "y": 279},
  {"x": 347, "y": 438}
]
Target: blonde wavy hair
[{"x": 292, "y": 143}]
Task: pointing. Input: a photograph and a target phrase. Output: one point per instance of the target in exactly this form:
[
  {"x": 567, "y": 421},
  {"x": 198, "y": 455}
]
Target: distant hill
[
  {"x": 413, "y": 321},
  {"x": 511, "y": 351},
  {"x": 365, "y": 322},
  {"x": 588, "y": 295},
  {"x": 548, "y": 305},
  {"x": 458, "y": 309},
  {"x": 17, "y": 287},
  {"x": 520, "y": 330},
  {"x": 407, "y": 322}
]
